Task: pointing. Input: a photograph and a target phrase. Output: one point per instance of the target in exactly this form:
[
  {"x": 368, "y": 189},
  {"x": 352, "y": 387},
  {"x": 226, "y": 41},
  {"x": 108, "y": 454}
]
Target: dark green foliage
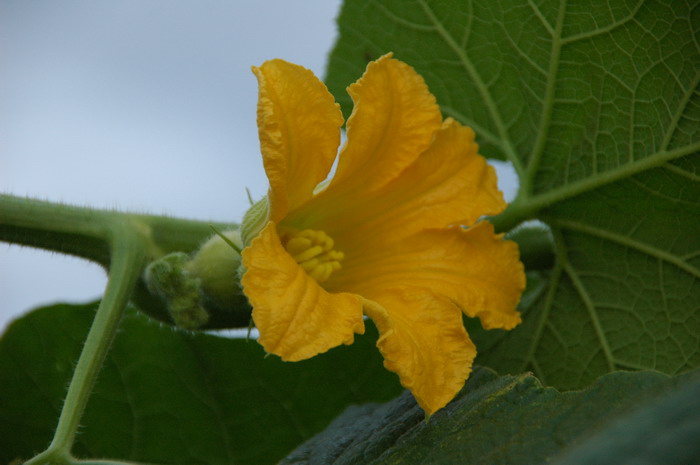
[
  {"x": 514, "y": 420},
  {"x": 169, "y": 396}
]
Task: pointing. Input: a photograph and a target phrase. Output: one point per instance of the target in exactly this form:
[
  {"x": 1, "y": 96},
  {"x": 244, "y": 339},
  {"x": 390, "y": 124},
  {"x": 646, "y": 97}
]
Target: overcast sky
[{"x": 141, "y": 105}]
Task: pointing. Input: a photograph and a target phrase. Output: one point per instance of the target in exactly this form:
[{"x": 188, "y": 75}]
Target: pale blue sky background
[{"x": 143, "y": 105}]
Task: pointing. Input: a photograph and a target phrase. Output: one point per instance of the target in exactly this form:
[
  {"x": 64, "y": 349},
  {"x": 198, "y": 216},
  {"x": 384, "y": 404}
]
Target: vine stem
[
  {"x": 122, "y": 242},
  {"x": 129, "y": 253}
]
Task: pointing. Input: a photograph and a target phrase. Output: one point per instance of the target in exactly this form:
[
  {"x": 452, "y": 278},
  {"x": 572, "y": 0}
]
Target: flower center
[{"x": 313, "y": 251}]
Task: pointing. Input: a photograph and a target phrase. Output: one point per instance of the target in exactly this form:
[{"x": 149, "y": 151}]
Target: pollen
[{"x": 314, "y": 252}]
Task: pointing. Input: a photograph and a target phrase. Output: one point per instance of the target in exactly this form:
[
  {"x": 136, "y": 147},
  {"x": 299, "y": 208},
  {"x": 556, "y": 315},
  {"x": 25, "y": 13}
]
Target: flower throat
[{"x": 313, "y": 251}]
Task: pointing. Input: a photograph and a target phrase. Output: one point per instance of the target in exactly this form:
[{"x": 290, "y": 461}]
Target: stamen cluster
[{"x": 314, "y": 252}]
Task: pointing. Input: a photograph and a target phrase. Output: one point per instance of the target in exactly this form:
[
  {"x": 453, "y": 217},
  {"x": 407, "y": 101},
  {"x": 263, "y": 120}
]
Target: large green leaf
[
  {"x": 664, "y": 431},
  {"x": 514, "y": 420},
  {"x": 169, "y": 396},
  {"x": 597, "y": 106}
]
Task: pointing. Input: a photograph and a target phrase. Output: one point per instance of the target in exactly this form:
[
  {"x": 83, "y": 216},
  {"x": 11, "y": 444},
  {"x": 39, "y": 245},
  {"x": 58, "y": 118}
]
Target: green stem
[
  {"x": 517, "y": 212},
  {"x": 57, "y": 217},
  {"x": 121, "y": 241},
  {"x": 85, "y": 232},
  {"x": 61, "y": 228},
  {"x": 129, "y": 255}
]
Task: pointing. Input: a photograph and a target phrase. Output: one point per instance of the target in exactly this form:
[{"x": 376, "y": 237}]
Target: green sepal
[{"x": 255, "y": 220}]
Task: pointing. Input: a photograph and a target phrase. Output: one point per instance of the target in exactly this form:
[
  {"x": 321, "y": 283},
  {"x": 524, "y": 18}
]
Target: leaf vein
[
  {"x": 673, "y": 125},
  {"x": 524, "y": 55},
  {"x": 549, "y": 300},
  {"x": 539, "y": 372},
  {"x": 660, "y": 195},
  {"x": 541, "y": 17},
  {"x": 481, "y": 132},
  {"x": 606, "y": 29},
  {"x": 585, "y": 297},
  {"x": 593, "y": 182},
  {"x": 547, "y": 104},
  {"x": 628, "y": 242},
  {"x": 467, "y": 25},
  {"x": 399, "y": 20},
  {"x": 681, "y": 172},
  {"x": 479, "y": 83}
]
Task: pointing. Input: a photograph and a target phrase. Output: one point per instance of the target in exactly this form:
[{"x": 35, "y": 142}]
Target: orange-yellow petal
[
  {"x": 423, "y": 340},
  {"x": 299, "y": 129},
  {"x": 474, "y": 268},
  {"x": 296, "y": 317},
  {"x": 393, "y": 120},
  {"x": 449, "y": 183}
]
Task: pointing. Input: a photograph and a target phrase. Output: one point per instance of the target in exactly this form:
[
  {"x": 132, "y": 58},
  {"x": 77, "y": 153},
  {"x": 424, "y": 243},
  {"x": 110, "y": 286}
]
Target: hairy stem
[
  {"x": 122, "y": 242},
  {"x": 85, "y": 232},
  {"x": 53, "y": 226},
  {"x": 129, "y": 255},
  {"x": 88, "y": 232}
]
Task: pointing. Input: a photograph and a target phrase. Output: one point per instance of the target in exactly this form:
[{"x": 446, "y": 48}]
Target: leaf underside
[{"x": 597, "y": 106}]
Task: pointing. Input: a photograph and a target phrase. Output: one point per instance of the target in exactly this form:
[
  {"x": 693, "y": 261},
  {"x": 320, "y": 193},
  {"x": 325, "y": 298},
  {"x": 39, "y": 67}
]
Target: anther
[{"x": 313, "y": 251}]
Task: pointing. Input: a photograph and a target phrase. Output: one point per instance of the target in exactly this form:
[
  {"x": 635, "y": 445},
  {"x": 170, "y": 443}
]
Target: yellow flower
[{"x": 385, "y": 236}]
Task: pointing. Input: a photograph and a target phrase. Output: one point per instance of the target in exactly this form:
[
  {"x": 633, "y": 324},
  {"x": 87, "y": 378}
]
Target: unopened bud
[
  {"x": 197, "y": 289},
  {"x": 168, "y": 278},
  {"x": 216, "y": 266}
]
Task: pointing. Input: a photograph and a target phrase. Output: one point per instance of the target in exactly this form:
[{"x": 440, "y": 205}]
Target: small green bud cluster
[
  {"x": 194, "y": 287},
  {"x": 167, "y": 277}
]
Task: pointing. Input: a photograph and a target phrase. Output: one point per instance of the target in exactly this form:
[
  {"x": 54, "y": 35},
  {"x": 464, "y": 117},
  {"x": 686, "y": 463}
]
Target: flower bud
[
  {"x": 216, "y": 266},
  {"x": 168, "y": 278},
  {"x": 200, "y": 288}
]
